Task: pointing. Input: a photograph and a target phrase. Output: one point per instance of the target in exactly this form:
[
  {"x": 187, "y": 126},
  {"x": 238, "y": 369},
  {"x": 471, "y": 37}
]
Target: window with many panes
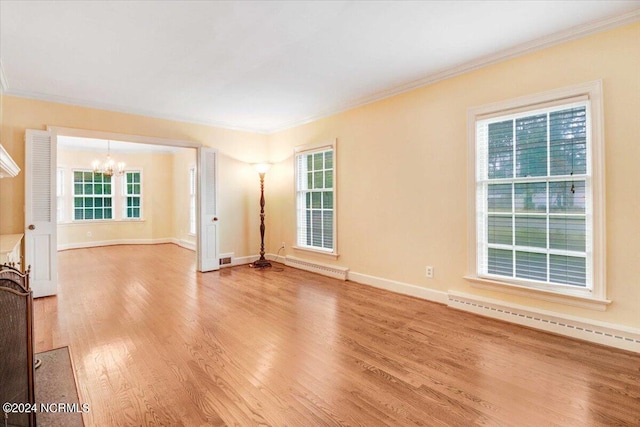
[
  {"x": 92, "y": 196},
  {"x": 315, "y": 198},
  {"x": 132, "y": 195},
  {"x": 536, "y": 211}
]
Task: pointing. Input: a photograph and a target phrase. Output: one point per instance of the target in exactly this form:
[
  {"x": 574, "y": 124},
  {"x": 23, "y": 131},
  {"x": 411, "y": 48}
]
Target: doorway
[{"x": 114, "y": 208}]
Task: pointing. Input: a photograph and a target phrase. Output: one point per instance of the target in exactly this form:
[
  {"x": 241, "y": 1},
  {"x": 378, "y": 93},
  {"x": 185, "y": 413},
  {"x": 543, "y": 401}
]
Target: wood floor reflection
[{"x": 155, "y": 343}]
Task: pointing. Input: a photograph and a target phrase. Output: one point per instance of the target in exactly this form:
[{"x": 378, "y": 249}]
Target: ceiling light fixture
[{"x": 108, "y": 168}]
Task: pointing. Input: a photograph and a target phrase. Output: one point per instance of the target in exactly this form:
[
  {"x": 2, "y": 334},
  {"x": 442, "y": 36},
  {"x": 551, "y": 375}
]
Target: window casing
[
  {"x": 132, "y": 192},
  {"x": 537, "y": 194},
  {"x": 315, "y": 198}
]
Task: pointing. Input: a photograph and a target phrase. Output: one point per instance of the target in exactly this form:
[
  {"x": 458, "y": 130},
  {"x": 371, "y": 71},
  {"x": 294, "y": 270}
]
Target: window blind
[
  {"x": 315, "y": 199},
  {"x": 533, "y": 195}
]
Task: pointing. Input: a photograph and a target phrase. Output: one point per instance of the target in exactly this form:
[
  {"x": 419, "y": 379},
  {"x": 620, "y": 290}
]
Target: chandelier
[{"x": 108, "y": 167}]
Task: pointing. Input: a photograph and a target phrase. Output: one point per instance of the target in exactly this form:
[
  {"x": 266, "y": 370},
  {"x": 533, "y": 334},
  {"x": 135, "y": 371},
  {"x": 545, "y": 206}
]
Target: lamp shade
[{"x": 262, "y": 167}]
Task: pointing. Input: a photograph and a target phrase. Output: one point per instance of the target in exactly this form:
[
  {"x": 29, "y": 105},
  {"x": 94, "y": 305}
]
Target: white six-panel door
[
  {"x": 40, "y": 251},
  {"x": 208, "y": 236}
]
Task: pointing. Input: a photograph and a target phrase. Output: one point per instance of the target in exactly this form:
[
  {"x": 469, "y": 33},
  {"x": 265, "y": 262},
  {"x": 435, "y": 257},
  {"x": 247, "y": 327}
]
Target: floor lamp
[{"x": 262, "y": 168}]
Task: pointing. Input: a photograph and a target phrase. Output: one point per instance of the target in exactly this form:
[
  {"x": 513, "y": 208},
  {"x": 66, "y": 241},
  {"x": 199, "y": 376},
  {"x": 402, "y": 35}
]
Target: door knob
[
  {"x": 32, "y": 227},
  {"x": 215, "y": 218}
]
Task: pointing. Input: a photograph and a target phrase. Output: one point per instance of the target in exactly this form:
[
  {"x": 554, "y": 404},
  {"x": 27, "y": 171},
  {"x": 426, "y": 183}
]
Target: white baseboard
[
  {"x": 94, "y": 244},
  {"x": 242, "y": 260},
  {"x": 608, "y": 334},
  {"x": 399, "y": 287},
  {"x": 618, "y": 336},
  {"x": 334, "y": 271},
  {"x": 184, "y": 244}
]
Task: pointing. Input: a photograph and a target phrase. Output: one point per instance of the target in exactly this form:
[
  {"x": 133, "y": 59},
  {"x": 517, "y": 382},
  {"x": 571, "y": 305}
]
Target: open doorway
[
  {"x": 83, "y": 204},
  {"x": 149, "y": 198}
]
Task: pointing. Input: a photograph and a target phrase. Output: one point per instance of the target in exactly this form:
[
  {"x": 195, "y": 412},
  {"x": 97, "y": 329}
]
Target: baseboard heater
[
  {"x": 588, "y": 330},
  {"x": 316, "y": 267}
]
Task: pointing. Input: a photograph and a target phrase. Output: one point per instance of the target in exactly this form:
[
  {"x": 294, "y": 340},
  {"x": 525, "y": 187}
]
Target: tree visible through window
[
  {"x": 538, "y": 211},
  {"x": 133, "y": 195},
  {"x": 315, "y": 199},
  {"x": 535, "y": 191},
  {"x": 92, "y": 196}
]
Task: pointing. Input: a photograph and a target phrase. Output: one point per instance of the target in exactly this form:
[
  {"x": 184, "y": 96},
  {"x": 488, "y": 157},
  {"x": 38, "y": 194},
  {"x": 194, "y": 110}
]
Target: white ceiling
[{"x": 266, "y": 66}]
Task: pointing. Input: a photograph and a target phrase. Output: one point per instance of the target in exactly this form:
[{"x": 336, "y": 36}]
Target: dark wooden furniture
[{"x": 16, "y": 347}]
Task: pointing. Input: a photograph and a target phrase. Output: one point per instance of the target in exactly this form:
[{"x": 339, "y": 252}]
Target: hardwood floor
[{"x": 155, "y": 343}]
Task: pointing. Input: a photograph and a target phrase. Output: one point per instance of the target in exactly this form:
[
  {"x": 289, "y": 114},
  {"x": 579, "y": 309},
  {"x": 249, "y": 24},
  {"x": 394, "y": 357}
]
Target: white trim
[
  {"x": 124, "y": 195},
  {"x": 596, "y": 296},
  {"x": 613, "y": 335},
  {"x": 581, "y": 301},
  {"x": 185, "y": 244},
  {"x": 113, "y": 136},
  {"x": 618, "y": 336},
  {"x": 100, "y": 221},
  {"x": 94, "y": 244},
  {"x": 311, "y": 148},
  {"x": 334, "y": 271},
  {"x": 331, "y": 255},
  {"x": 8, "y": 167},
  {"x": 557, "y": 38},
  {"x": 325, "y": 144},
  {"x": 243, "y": 260},
  {"x": 485, "y": 61},
  {"x": 399, "y": 287}
]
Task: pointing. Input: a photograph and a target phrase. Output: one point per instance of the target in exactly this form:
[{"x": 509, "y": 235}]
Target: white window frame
[
  {"x": 310, "y": 149},
  {"x": 124, "y": 195},
  {"x": 192, "y": 200},
  {"x": 593, "y": 297},
  {"x": 74, "y": 195}
]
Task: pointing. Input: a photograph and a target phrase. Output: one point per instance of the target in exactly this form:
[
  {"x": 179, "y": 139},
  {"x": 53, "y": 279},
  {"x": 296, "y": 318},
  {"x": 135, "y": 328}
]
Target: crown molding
[
  {"x": 557, "y": 38},
  {"x": 554, "y": 39},
  {"x": 125, "y": 110}
]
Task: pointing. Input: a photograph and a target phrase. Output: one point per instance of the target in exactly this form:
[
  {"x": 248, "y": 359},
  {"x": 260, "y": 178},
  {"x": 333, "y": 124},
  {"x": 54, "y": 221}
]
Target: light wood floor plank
[{"x": 155, "y": 343}]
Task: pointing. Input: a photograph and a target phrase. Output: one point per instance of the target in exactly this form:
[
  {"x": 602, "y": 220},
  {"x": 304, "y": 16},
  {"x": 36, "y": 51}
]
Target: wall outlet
[
  {"x": 429, "y": 272},
  {"x": 88, "y": 234},
  {"x": 283, "y": 246}
]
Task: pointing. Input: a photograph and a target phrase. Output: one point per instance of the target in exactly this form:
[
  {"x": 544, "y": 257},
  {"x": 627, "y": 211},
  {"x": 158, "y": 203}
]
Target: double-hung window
[
  {"x": 315, "y": 198},
  {"x": 132, "y": 191},
  {"x": 92, "y": 196},
  {"x": 538, "y": 212}
]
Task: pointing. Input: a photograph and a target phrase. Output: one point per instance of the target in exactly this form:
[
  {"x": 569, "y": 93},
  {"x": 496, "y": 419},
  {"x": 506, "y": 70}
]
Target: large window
[
  {"x": 536, "y": 210},
  {"x": 133, "y": 195},
  {"x": 92, "y": 197},
  {"x": 315, "y": 198}
]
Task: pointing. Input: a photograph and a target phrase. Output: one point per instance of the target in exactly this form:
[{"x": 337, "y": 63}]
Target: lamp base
[{"x": 261, "y": 263}]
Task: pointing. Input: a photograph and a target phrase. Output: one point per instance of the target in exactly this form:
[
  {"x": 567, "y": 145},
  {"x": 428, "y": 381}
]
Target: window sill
[
  {"x": 100, "y": 221},
  {"x": 577, "y": 300},
  {"x": 329, "y": 255}
]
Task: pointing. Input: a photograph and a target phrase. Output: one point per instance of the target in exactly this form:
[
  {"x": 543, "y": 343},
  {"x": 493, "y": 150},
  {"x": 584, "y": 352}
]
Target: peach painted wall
[
  {"x": 157, "y": 200},
  {"x": 238, "y": 230},
  {"x": 402, "y": 171}
]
